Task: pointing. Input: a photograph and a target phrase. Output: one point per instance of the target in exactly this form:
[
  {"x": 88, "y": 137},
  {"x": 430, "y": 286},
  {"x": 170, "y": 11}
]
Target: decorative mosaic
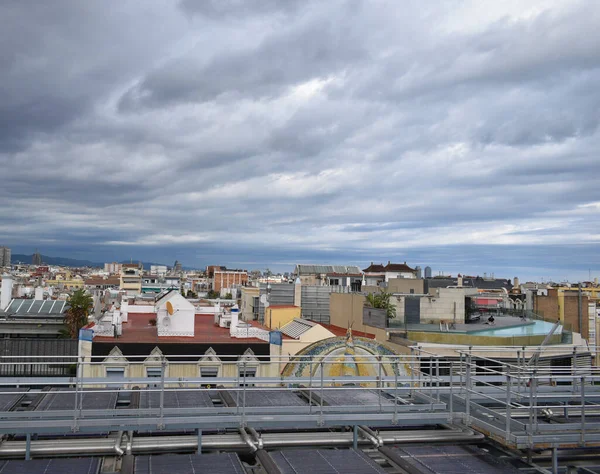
[{"x": 345, "y": 356}]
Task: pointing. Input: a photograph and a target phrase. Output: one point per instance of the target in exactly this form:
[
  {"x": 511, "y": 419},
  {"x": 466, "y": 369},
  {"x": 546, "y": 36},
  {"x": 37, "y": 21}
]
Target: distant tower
[
  {"x": 177, "y": 266},
  {"x": 36, "y": 259},
  {"x": 427, "y": 272},
  {"x": 419, "y": 272}
]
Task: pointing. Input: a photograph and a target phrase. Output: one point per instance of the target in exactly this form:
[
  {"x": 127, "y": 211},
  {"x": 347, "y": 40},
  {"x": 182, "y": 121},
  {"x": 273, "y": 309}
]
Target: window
[
  {"x": 250, "y": 373},
  {"x": 113, "y": 373},
  {"x": 412, "y": 291},
  {"x": 154, "y": 372},
  {"x": 206, "y": 372}
]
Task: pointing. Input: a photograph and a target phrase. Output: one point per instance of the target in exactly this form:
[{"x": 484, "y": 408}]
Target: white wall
[{"x": 181, "y": 323}]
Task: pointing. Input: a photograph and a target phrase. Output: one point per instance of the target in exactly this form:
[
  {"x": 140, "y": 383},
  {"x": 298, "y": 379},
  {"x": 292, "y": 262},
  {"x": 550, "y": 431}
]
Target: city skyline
[{"x": 457, "y": 135}]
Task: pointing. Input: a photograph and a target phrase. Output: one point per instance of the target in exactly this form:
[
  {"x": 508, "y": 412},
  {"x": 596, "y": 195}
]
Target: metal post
[
  {"x": 244, "y": 398},
  {"x": 76, "y": 395},
  {"x": 460, "y": 372},
  {"x": 582, "y": 411},
  {"x": 379, "y": 382},
  {"x": 451, "y": 400},
  {"x": 162, "y": 391},
  {"x": 574, "y": 369},
  {"x": 468, "y": 390},
  {"x": 437, "y": 374},
  {"x": 355, "y": 437},
  {"x": 508, "y": 402},
  {"x": 412, "y": 371},
  {"x": 310, "y": 387},
  {"x": 28, "y": 447},
  {"x": 519, "y": 372},
  {"x": 199, "y": 436},
  {"x": 322, "y": 372},
  {"x": 554, "y": 460},
  {"x": 237, "y": 390},
  {"x": 396, "y": 372}
]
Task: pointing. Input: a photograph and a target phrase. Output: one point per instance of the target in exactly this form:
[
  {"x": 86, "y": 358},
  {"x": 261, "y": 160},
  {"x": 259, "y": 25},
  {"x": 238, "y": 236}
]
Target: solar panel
[
  {"x": 52, "y": 466},
  {"x": 226, "y": 463},
  {"x": 325, "y": 461},
  {"x": 7, "y": 400},
  {"x": 98, "y": 399},
  {"x": 265, "y": 398},
  {"x": 175, "y": 399},
  {"x": 454, "y": 460},
  {"x": 351, "y": 396}
]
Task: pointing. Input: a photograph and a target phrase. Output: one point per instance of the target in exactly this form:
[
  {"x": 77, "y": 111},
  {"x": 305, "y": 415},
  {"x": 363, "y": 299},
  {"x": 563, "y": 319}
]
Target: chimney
[
  {"x": 389, "y": 261},
  {"x": 516, "y": 282},
  {"x": 235, "y": 316},
  {"x": 7, "y": 287},
  {"x": 459, "y": 281}
]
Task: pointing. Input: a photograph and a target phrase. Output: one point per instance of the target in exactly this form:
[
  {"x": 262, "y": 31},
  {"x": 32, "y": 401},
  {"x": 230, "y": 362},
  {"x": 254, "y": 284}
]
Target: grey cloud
[
  {"x": 239, "y": 9},
  {"x": 191, "y": 136}
]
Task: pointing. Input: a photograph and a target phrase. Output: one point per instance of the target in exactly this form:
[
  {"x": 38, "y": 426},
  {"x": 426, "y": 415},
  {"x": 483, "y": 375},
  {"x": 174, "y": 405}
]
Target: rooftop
[
  {"x": 139, "y": 329},
  {"x": 340, "y": 332},
  {"x": 325, "y": 269}
]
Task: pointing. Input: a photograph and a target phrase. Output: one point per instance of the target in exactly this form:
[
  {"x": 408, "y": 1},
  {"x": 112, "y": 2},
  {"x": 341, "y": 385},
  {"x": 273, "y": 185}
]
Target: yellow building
[
  {"x": 66, "y": 281},
  {"x": 279, "y": 315},
  {"x": 131, "y": 278}
]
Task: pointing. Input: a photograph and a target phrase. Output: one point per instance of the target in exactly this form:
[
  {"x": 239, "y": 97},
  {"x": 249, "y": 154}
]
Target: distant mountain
[
  {"x": 61, "y": 261},
  {"x": 68, "y": 262}
]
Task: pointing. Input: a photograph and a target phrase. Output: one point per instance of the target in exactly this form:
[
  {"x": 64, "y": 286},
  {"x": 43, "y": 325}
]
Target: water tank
[{"x": 427, "y": 272}]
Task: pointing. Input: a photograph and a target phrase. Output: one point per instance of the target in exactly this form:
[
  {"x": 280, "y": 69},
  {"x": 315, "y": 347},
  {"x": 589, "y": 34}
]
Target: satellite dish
[
  {"x": 267, "y": 304},
  {"x": 263, "y": 299},
  {"x": 170, "y": 308}
]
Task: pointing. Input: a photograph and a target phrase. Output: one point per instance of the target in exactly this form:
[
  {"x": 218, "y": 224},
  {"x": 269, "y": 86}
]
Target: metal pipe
[
  {"x": 247, "y": 440},
  {"x": 371, "y": 436},
  {"x": 129, "y": 442},
  {"x": 178, "y": 443},
  {"x": 257, "y": 437},
  {"x": 117, "y": 446}
]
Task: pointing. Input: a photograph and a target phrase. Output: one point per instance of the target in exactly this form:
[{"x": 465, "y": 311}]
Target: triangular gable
[
  {"x": 249, "y": 357},
  {"x": 210, "y": 357},
  {"x": 115, "y": 356},
  {"x": 156, "y": 356}
]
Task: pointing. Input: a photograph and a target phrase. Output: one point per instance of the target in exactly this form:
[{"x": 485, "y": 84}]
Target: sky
[{"x": 459, "y": 134}]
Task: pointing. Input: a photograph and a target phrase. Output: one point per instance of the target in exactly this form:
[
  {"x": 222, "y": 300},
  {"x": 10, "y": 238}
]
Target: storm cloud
[{"x": 262, "y": 133}]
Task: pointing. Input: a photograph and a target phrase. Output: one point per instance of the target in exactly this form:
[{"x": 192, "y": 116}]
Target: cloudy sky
[{"x": 460, "y": 134}]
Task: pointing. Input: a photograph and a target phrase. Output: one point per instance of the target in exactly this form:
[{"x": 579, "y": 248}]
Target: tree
[
  {"x": 381, "y": 301},
  {"x": 80, "y": 305},
  {"x": 211, "y": 295},
  {"x": 228, "y": 296}
]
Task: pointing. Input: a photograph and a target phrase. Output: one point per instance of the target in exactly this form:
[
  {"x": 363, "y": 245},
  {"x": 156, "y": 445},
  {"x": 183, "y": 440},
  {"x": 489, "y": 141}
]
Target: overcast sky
[{"x": 457, "y": 134}]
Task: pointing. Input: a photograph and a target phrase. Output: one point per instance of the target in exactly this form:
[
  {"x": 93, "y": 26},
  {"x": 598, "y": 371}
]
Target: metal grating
[
  {"x": 7, "y": 400},
  {"x": 349, "y": 396},
  {"x": 175, "y": 399},
  {"x": 264, "y": 398},
  {"x": 454, "y": 460},
  {"x": 297, "y": 327},
  {"x": 324, "y": 461},
  {"x": 52, "y": 466},
  {"x": 315, "y": 303},
  {"x": 96, "y": 399},
  {"x": 226, "y": 463}
]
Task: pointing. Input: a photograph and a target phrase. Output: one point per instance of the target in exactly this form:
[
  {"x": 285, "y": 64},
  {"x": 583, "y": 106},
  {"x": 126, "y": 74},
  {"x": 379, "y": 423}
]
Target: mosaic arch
[{"x": 345, "y": 356}]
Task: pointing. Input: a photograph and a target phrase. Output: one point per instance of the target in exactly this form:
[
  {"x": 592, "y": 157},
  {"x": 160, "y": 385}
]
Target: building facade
[{"x": 5, "y": 257}]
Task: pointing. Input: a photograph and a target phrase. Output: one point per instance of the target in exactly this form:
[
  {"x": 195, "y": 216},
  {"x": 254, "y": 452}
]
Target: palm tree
[
  {"x": 381, "y": 301},
  {"x": 80, "y": 305}
]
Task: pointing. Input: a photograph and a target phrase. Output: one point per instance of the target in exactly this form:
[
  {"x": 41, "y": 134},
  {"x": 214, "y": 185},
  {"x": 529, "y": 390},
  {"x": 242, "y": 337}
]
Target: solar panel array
[
  {"x": 454, "y": 460},
  {"x": 175, "y": 399},
  {"x": 7, "y": 400},
  {"x": 325, "y": 461},
  {"x": 32, "y": 307},
  {"x": 97, "y": 399},
  {"x": 225, "y": 463},
  {"x": 350, "y": 396},
  {"x": 51, "y": 466},
  {"x": 265, "y": 398}
]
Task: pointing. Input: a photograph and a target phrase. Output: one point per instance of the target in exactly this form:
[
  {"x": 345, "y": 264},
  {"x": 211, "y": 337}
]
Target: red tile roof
[
  {"x": 339, "y": 331},
  {"x": 139, "y": 329}
]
